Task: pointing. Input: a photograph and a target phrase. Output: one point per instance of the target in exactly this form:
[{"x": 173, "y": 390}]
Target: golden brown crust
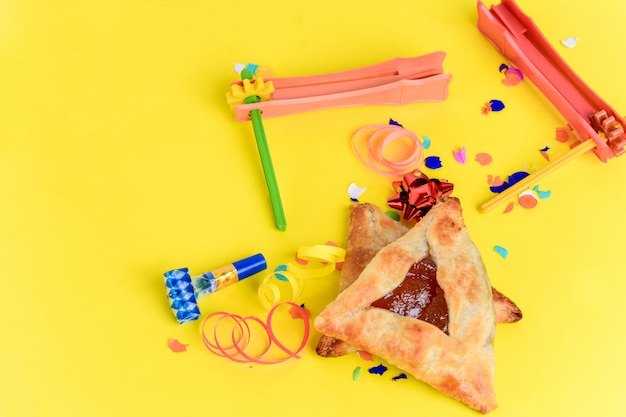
[
  {"x": 370, "y": 230},
  {"x": 460, "y": 364}
]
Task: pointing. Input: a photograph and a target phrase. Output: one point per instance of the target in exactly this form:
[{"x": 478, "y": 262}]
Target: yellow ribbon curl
[{"x": 322, "y": 261}]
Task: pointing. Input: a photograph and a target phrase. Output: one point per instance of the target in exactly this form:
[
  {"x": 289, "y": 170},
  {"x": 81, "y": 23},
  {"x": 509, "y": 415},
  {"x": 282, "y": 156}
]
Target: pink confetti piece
[
  {"x": 483, "y": 158},
  {"x": 176, "y": 346},
  {"x": 460, "y": 156},
  {"x": 509, "y": 207}
]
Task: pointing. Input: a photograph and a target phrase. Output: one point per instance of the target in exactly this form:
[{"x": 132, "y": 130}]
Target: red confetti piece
[
  {"x": 483, "y": 158},
  {"x": 366, "y": 356},
  {"x": 176, "y": 346},
  {"x": 417, "y": 194},
  {"x": 241, "y": 335}
]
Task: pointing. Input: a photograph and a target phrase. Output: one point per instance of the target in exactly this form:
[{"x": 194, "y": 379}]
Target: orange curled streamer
[
  {"x": 240, "y": 336},
  {"x": 379, "y": 137}
]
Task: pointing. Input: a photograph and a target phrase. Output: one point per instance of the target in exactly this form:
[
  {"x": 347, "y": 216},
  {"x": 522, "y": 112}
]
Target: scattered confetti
[
  {"x": 460, "y": 156},
  {"x": 176, "y": 346},
  {"x": 398, "y": 377},
  {"x": 356, "y": 374},
  {"x": 433, "y": 162},
  {"x": 501, "y": 251},
  {"x": 542, "y": 194},
  {"x": 354, "y": 191},
  {"x": 544, "y": 153},
  {"x": 563, "y": 135},
  {"x": 493, "y": 105},
  {"x": 378, "y": 370},
  {"x": 393, "y": 215},
  {"x": 483, "y": 158},
  {"x": 509, "y": 207},
  {"x": 513, "y": 178},
  {"x": 426, "y": 142},
  {"x": 569, "y": 42},
  {"x": 527, "y": 199},
  {"x": 513, "y": 76}
]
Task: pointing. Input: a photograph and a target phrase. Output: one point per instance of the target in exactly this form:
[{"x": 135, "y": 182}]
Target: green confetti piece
[{"x": 356, "y": 374}]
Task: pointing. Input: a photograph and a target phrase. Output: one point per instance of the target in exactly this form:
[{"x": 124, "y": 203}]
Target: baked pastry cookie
[
  {"x": 457, "y": 360},
  {"x": 370, "y": 230}
]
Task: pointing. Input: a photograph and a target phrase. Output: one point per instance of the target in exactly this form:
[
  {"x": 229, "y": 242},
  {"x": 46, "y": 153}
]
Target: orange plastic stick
[{"x": 396, "y": 82}]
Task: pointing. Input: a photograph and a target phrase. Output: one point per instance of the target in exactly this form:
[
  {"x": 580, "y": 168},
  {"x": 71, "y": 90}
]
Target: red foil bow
[{"x": 417, "y": 194}]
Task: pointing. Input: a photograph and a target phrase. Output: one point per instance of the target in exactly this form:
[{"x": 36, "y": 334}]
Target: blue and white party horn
[{"x": 184, "y": 291}]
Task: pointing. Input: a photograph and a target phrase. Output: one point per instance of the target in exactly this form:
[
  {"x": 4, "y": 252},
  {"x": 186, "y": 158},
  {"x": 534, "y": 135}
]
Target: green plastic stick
[{"x": 266, "y": 159}]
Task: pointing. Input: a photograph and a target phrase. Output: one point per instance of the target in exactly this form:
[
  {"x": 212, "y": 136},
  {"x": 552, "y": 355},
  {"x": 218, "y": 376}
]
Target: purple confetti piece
[
  {"x": 504, "y": 67},
  {"x": 433, "y": 162},
  {"x": 378, "y": 370}
]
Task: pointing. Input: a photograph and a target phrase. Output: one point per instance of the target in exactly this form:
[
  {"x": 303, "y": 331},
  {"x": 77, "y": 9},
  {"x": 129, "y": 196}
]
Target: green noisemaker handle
[{"x": 266, "y": 159}]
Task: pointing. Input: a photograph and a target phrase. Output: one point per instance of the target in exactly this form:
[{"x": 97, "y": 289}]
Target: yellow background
[{"x": 120, "y": 160}]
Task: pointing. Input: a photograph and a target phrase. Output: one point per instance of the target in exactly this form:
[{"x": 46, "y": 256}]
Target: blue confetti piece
[
  {"x": 501, "y": 251},
  {"x": 496, "y": 105},
  {"x": 504, "y": 67},
  {"x": 546, "y": 149},
  {"x": 513, "y": 178},
  {"x": 426, "y": 142},
  {"x": 252, "y": 68},
  {"x": 398, "y": 377},
  {"x": 542, "y": 194},
  {"x": 433, "y": 162},
  {"x": 394, "y": 123},
  {"x": 378, "y": 370}
]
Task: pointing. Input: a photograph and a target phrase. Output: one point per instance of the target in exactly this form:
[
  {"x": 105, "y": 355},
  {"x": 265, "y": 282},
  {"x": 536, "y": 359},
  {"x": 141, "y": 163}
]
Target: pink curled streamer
[{"x": 379, "y": 137}]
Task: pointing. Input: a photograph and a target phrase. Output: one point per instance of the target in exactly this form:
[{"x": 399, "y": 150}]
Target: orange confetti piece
[
  {"x": 512, "y": 79},
  {"x": 176, "y": 346},
  {"x": 528, "y": 200},
  {"x": 298, "y": 313},
  {"x": 483, "y": 158},
  {"x": 563, "y": 135},
  {"x": 508, "y": 208},
  {"x": 366, "y": 356},
  {"x": 495, "y": 181}
]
